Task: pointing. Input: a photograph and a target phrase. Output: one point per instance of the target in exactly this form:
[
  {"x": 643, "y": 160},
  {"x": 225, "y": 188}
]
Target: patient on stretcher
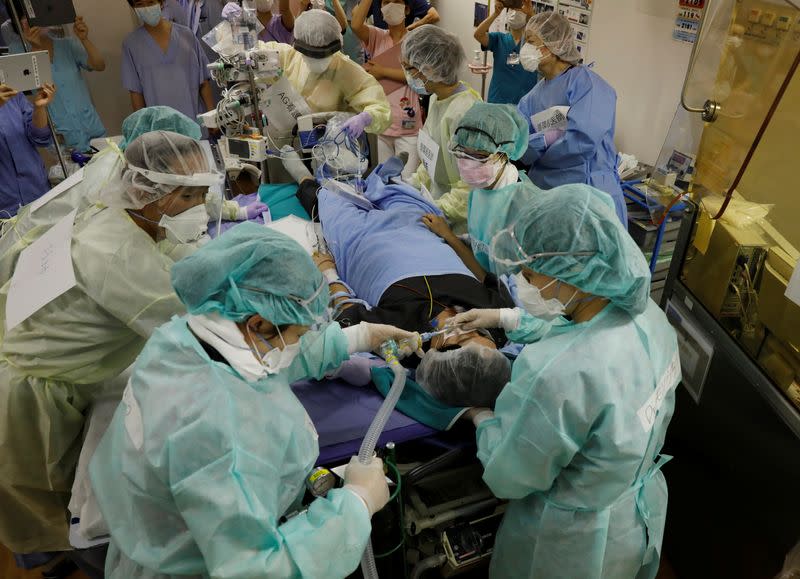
[{"x": 385, "y": 266}]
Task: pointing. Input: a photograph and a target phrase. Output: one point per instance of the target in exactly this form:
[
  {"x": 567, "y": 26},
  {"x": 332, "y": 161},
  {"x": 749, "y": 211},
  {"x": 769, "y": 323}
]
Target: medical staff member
[
  {"x": 510, "y": 82},
  {"x": 326, "y": 80},
  {"x": 23, "y": 127},
  {"x": 56, "y": 362},
  {"x": 175, "y": 12},
  {"x": 383, "y": 50},
  {"x": 277, "y": 26},
  {"x": 571, "y": 112},
  {"x": 485, "y": 143},
  {"x": 575, "y": 437},
  {"x": 164, "y": 64},
  {"x": 421, "y": 13},
  {"x": 431, "y": 59},
  {"x": 210, "y": 448},
  {"x": 72, "y": 111},
  {"x": 351, "y": 45}
]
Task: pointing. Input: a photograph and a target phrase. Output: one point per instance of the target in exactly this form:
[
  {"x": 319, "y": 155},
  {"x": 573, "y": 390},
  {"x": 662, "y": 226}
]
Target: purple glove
[
  {"x": 231, "y": 10},
  {"x": 354, "y": 126},
  {"x": 552, "y": 135},
  {"x": 251, "y": 211}
]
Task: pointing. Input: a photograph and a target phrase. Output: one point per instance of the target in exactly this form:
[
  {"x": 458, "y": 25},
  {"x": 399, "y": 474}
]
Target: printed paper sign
[
  {"x": 428, "y": 152},
  {"x": 283, "y": 105},
  {"x": 44, "y": 272},
  {"x": 649, "y": 412},
  {"x": 552, "y": 118},
  {"x": 66, "y": 184}
]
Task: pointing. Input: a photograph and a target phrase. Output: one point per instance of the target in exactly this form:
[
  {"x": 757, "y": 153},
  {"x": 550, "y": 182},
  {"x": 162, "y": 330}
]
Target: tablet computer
[
  {"x": 49, "y": 12},
  {"x": 26, "y": 71}
]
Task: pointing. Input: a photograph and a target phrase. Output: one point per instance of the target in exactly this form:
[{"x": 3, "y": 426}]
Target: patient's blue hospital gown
[{"x": 365, "y": 241}]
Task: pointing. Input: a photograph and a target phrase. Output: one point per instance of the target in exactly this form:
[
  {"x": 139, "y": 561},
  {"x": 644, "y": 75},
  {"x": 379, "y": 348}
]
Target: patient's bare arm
[
  {"x": 327, "y": 265},
  {"x": 439, "y": 226}
]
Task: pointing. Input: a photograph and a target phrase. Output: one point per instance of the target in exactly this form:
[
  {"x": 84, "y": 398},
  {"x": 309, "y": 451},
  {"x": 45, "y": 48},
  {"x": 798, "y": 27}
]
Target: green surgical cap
[
  {"x": 493, "y": 128},
  {"x": 580, "y": 218},
  {"x": 158, "y": 119},
  {"x": 250, "y": 270}
]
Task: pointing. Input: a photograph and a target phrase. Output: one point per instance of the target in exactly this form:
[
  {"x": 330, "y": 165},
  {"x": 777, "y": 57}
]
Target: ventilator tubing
[{"x": 365, "y": 454}]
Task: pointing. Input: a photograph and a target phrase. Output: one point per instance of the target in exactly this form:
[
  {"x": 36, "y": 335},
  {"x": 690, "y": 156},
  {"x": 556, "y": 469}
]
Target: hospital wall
[
  {"x": 632, "y": 47},
  {"x": 109, "y": 21}
]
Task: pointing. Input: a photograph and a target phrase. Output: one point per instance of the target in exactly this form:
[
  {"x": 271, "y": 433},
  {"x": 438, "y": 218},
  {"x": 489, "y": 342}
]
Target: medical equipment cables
[{"x": 389, "y": 352}]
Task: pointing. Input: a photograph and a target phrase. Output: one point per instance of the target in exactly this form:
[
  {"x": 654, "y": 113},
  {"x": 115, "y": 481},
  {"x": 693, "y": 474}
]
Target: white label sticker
[
  {"x": 133, "y": 417},
  {"x": 428, "y": 152},
  {"x": 649, "y": 412},
  {"x": 283, "y": 105},
  {"x": 793, "y": 287},
  {"x": 66, "y": 184},
  {"x": 552, "y": 118},
  {"x": 44, "y": 272}
]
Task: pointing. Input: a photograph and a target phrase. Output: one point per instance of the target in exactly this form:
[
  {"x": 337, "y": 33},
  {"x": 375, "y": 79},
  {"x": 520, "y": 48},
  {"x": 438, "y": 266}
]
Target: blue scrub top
[
  {"x": 510, "y": 82},
  {"x": 172, "y": 79},
  {"x": 175, "y": 12},
  {"x": 11, "y": 38},
  {"x": 586, "y": 153},
  {"x": 22, "y": 175},
  {"x": 73, "y": 113}
]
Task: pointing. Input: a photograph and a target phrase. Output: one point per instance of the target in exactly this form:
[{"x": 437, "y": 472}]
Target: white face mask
[
  {"x": 535, "y": 304},
  {"x": 150, "y": 15},
  {"x": 394, "y": 13},
  {"x": 187, "y": 226},
  {"x": 279, "y": 359},
  {"x": 517, "y": 20},
  {"x": 480, "y": 175},
  {"x": 317, "y": 65},
  {"x": 416, "y": 84},
  {"x": 529, "y": 57},
  {"x": 264, "y": 5}
]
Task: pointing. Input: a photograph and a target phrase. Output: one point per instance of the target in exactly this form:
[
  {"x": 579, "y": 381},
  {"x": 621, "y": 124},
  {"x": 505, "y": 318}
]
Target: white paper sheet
[
  {"x": 67, "y": 183},
  {"x": 44, "y": 272},
  {"x": 428, "y": 152},
  {"x": 306, "y": 233},
  {"x": 793, "y": 288}
]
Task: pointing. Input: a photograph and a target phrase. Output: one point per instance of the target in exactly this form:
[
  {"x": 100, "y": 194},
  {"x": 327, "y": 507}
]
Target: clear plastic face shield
[
  {"x": 186, "y": 211},
  {"x": 508, "y": 255}
]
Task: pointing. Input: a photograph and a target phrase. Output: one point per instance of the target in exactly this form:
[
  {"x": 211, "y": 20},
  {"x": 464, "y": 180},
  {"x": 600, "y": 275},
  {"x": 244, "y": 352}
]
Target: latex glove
[
  {"x": 477, "y": 415},
  {"x": 231, "y": 10},
  {"x": 366, "y": 337},
  {"x": 294, "y": 164},
  {"x": 368, "y": 482},
  {"x": 552, "y": 135},
  {"x": 354, "y": 126},
  {"x": 506, "y": 318},
  {"x": 251, "y": 211}
]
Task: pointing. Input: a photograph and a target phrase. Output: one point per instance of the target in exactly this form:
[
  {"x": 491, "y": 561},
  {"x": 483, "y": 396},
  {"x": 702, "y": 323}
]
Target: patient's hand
[
  {"x": 438, "y": 225},
  {"x": 324, "y": 261}
]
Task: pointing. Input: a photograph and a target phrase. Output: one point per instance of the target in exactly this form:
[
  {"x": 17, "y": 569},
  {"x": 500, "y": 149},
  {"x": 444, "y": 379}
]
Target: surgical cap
[
  {"x": 158, "y": 163},
  {"x": 157, "y": 118},
  {"x": 317, "y": 34},
  {"x": 468, "y": 376},
  {"x": 572, "y": 219},
  {"x": 251, "y": 270},
  {"x": 436, "y": 53},
  {"x": 493, "y": 128},
  {"x": 556, "y": 34}
]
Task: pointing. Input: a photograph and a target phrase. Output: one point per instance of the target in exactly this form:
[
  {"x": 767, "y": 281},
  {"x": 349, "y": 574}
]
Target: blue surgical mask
[
  {"x": 416, "y": 84},
  {"x": 150, "y": 15}
]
